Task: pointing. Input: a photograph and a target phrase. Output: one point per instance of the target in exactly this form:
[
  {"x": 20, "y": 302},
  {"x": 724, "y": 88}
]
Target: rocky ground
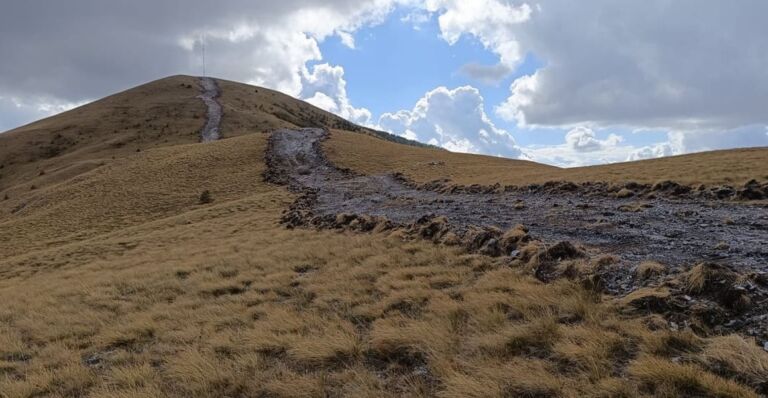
[
  {"x": 210, "y": 93},
  {"x": 727, "y": 238}
]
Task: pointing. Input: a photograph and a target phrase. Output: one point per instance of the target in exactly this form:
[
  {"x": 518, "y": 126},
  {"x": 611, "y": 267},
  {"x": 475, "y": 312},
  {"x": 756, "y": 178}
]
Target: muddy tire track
[
  {"x": 678, "y": 233},
  {"x": 209, "y": 94}
]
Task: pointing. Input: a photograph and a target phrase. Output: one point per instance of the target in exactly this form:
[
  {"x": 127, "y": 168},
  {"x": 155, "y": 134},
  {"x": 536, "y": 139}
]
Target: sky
[{"x": 556, "y": 81}]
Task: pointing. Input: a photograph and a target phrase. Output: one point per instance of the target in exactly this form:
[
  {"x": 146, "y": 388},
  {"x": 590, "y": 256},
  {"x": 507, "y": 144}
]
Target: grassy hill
[
  {"x": 165, "y": 112},
  {"x": 728, "y": 167},
  {"x": 117, "y": 280}
]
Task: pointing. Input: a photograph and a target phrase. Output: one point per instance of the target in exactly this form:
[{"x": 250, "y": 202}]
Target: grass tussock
[
  {"x": 649, "y": 269},
  {"x": 670, "y": 379}
]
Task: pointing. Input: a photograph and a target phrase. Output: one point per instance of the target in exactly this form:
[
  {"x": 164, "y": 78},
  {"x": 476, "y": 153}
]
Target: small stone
[
  {"x": 514, "y": 253},
  {"x": 765, "y": 346}
]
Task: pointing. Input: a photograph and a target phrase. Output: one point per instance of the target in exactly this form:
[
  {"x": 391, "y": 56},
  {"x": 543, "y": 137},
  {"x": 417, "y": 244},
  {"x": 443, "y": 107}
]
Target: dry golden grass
[
  {"x": 370, "y": 156},
  {"x": 164, "y": 112},
  {"x": 119, "y": 282},
  {"x": 161, "y": 113},
  {"x": 648, "y": 269}
]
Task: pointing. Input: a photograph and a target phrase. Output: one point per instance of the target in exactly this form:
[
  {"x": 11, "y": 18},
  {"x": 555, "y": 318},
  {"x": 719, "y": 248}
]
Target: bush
[{"x": 205, "y": 197}]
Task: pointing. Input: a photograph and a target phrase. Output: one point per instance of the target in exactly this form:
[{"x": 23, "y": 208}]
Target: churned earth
[{"x": 676, "y": 232}]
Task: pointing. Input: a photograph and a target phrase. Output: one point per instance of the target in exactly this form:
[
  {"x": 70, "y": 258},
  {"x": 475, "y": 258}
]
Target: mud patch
[{"x": 675, "y": 226}]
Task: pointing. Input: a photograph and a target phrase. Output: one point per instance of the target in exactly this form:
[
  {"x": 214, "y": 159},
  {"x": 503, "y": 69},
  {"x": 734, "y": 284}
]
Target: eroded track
[
  {"x": 730, "y": 239},
  {"x": 673, "y": 232},
  {"x": 209, "y": 95}
]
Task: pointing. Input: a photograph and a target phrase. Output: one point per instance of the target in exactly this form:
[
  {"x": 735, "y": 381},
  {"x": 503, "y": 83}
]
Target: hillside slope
[
  {"x": 729, "y": 167},
  {"x": 118, "y": 278},
  {"x": 164, "y": 112},
  {"x": 122, "y": 283}
]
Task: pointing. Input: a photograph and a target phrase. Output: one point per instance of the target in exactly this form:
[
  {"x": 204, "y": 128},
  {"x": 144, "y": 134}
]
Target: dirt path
[
  {"x": 677, "y": 233},
  {"x": 209, "y": 95}
]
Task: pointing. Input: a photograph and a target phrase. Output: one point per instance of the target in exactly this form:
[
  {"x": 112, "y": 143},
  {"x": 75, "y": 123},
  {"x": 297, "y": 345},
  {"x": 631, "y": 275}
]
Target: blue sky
[
  {"x": 556, "y": 81},
  {"x": 421, "y": 60}
]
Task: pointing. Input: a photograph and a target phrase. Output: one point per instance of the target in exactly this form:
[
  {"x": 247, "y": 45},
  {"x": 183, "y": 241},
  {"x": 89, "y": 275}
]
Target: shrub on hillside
[{"x": 205, "y": 197}]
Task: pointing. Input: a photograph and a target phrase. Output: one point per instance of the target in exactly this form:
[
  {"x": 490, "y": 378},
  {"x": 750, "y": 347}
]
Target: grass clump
[
  {"x": 205, "y": 197},
  {"x": 649, "y": 269}
]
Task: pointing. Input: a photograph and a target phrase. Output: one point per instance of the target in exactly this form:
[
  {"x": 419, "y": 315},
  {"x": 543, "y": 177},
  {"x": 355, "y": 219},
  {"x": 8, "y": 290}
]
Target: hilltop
[{"x": 161, "y": 113}]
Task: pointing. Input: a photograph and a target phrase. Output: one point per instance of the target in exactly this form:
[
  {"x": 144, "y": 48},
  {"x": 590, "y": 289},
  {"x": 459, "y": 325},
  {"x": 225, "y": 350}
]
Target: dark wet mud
[
  {"x": 210, "y": 93},
  {"x": 678, "y": 233}
]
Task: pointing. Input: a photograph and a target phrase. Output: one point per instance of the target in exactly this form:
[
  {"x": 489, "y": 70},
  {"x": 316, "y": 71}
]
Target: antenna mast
[{"x": 202, "y": 41}]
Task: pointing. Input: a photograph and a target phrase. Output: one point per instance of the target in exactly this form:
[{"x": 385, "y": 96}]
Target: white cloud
[
  {"x": 523, "y": 90},
  {"x": 582, "y": 147},
  {"x": 325, "y": 88},
  {"x": 417, "y": 18},
  {"x": 564, "y": 155},
  {"x": 57, "y": 55},
  {"x": 683, "y": 65},
  {"x": 347, "y": 39},
  {"x": 584, "y": 139},
  {"x": 707, "y": 140},
  {"x": 488, "y": 21},
  {"x": 652, "y": 152},
  {"x": 453, "y": 119},
  {"x": 692, "y": 67}
]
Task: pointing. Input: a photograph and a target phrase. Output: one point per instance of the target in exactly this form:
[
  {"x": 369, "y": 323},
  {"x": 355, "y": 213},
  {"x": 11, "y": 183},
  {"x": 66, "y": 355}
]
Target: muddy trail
[
  {"x": 678, "y": 233},
  {"x": 210, "y": 94}
]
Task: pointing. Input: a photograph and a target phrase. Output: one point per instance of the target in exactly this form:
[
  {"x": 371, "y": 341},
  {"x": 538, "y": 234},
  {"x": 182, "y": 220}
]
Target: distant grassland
[{"x": 371, "y": 156}]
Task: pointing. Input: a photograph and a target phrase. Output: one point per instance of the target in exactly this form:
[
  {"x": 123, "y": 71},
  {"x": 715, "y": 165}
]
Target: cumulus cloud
[
  {"x": 325, "y": 88},
  {"x": 489, "y": 22},
  {"x": 584, "y": 139},
  {"x": 582, "y": 146},
  {"x": 82, "y": 49},
  {"x": 523, "y": 90},
  {"x": 453, "y": 119},
  {"x": 652, "y": 152},
  {"x": 650, "y": 64},
  {"x": 704, "y": 140},
  {"x": 697, "y": 68}
]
